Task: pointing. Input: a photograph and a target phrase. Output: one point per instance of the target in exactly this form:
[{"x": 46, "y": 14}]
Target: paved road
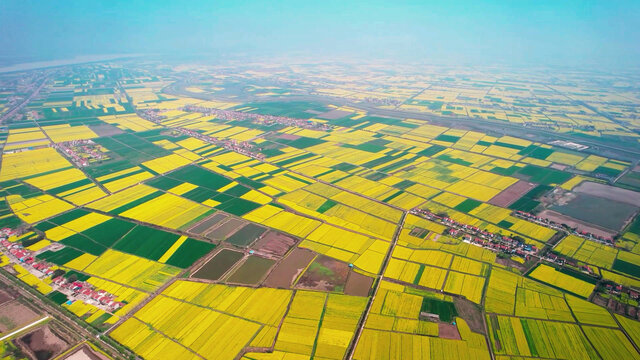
[
  {"x": 19, "y": 106},
  {"x": 24, "y": 328},
  {"x": 385, "y": 263}
]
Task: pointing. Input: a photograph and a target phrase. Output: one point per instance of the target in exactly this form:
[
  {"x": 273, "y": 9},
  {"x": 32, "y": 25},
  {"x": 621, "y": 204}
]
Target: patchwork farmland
[{"x": 203, "y": 221}]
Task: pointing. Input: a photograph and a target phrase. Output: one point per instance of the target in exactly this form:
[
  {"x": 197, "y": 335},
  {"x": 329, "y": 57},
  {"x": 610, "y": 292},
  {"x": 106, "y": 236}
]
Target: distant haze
[{"x": 585, "y": 33}]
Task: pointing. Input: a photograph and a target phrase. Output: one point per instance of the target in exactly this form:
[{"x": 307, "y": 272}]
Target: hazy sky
[{"x": 560, "y": 32}]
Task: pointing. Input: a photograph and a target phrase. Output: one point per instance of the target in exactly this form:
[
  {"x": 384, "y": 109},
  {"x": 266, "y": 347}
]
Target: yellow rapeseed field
[{"x": 32, "y": 162}]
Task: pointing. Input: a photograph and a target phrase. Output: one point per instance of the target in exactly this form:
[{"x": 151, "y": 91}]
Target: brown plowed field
[
  {"x": 287, "y": 270},
  {"x": 274, "y": 243},
  {"x": 514, "y": 192}
]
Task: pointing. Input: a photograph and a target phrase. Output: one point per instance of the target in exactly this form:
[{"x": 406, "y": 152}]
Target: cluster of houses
[
  {"x": 556, "y": 259},
  {"x": 477, "y": 236},
  {"x": 615, "y": 300},
  {"x": 80, "y": 290},
  {"x": 537, "y": 125},
  {"x": 74, "y": 289},
  {"x": 378, "y": 101},
  {"x": 6, "y": 232},
  {"x": 152, "y": 115},
  {"x": 259, "y": 118},
  {"x": 25, "y": 256},
  {"x": 551, "y": 257},
  {"x": 241, "y": 147},
  {"x": 82, "y": 152},
  {"x": 561, "y": 227},
  {"x": 617, "y": 290}
]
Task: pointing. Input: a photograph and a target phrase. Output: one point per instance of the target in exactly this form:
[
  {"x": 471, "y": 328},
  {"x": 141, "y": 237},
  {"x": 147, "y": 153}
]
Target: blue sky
[{"x": 574, "y": 33}]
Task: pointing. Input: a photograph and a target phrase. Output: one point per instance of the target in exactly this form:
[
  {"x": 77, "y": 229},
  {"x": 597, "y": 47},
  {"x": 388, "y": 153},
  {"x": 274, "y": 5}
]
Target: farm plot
[
  {"x": 324, "y": 274},
  {"x": 218, "y": 265},
  {"x": 335, "y": 212},
  {"x": 508, "y": 293},
  {"x": 28, "y": 163},
  {"x": 246, "y": 235},
  {"x": 511, "y": 194},
  {"x": 607, "y": 213},
  {"x": 631, "y": 327},
  {"x": 224, "y": 229},
  {"x": 562, "y": 281},
  {"x": 207, "y": 223},
  {"x": 274, "y": 243},
  {"x": 537, "y": 338},
  {"x": 365, "y": 253},
  {"x": 214, "y": 190},
  {"x": 320, "y": 325},
  {"x": 396, "y": 315},
  {"x": 131, "y": 270},
  {"x": 611, "y": 344},
  {"x": 358, "y": 284},
  {"x": 287, "y": 271},
  {"x": 14, "y": 315},
  {"x": 539, "y": 305},
  {"x": 395, "y": 309},
  {"x": 167, "y": 210},
  {"x": 37, "y": 208},
  {"x": 588, "y": 313},
  {"x": 587, "y": 251},
  {"x": 226, "y": 335},
  {"x": 252, "y": 271}
]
